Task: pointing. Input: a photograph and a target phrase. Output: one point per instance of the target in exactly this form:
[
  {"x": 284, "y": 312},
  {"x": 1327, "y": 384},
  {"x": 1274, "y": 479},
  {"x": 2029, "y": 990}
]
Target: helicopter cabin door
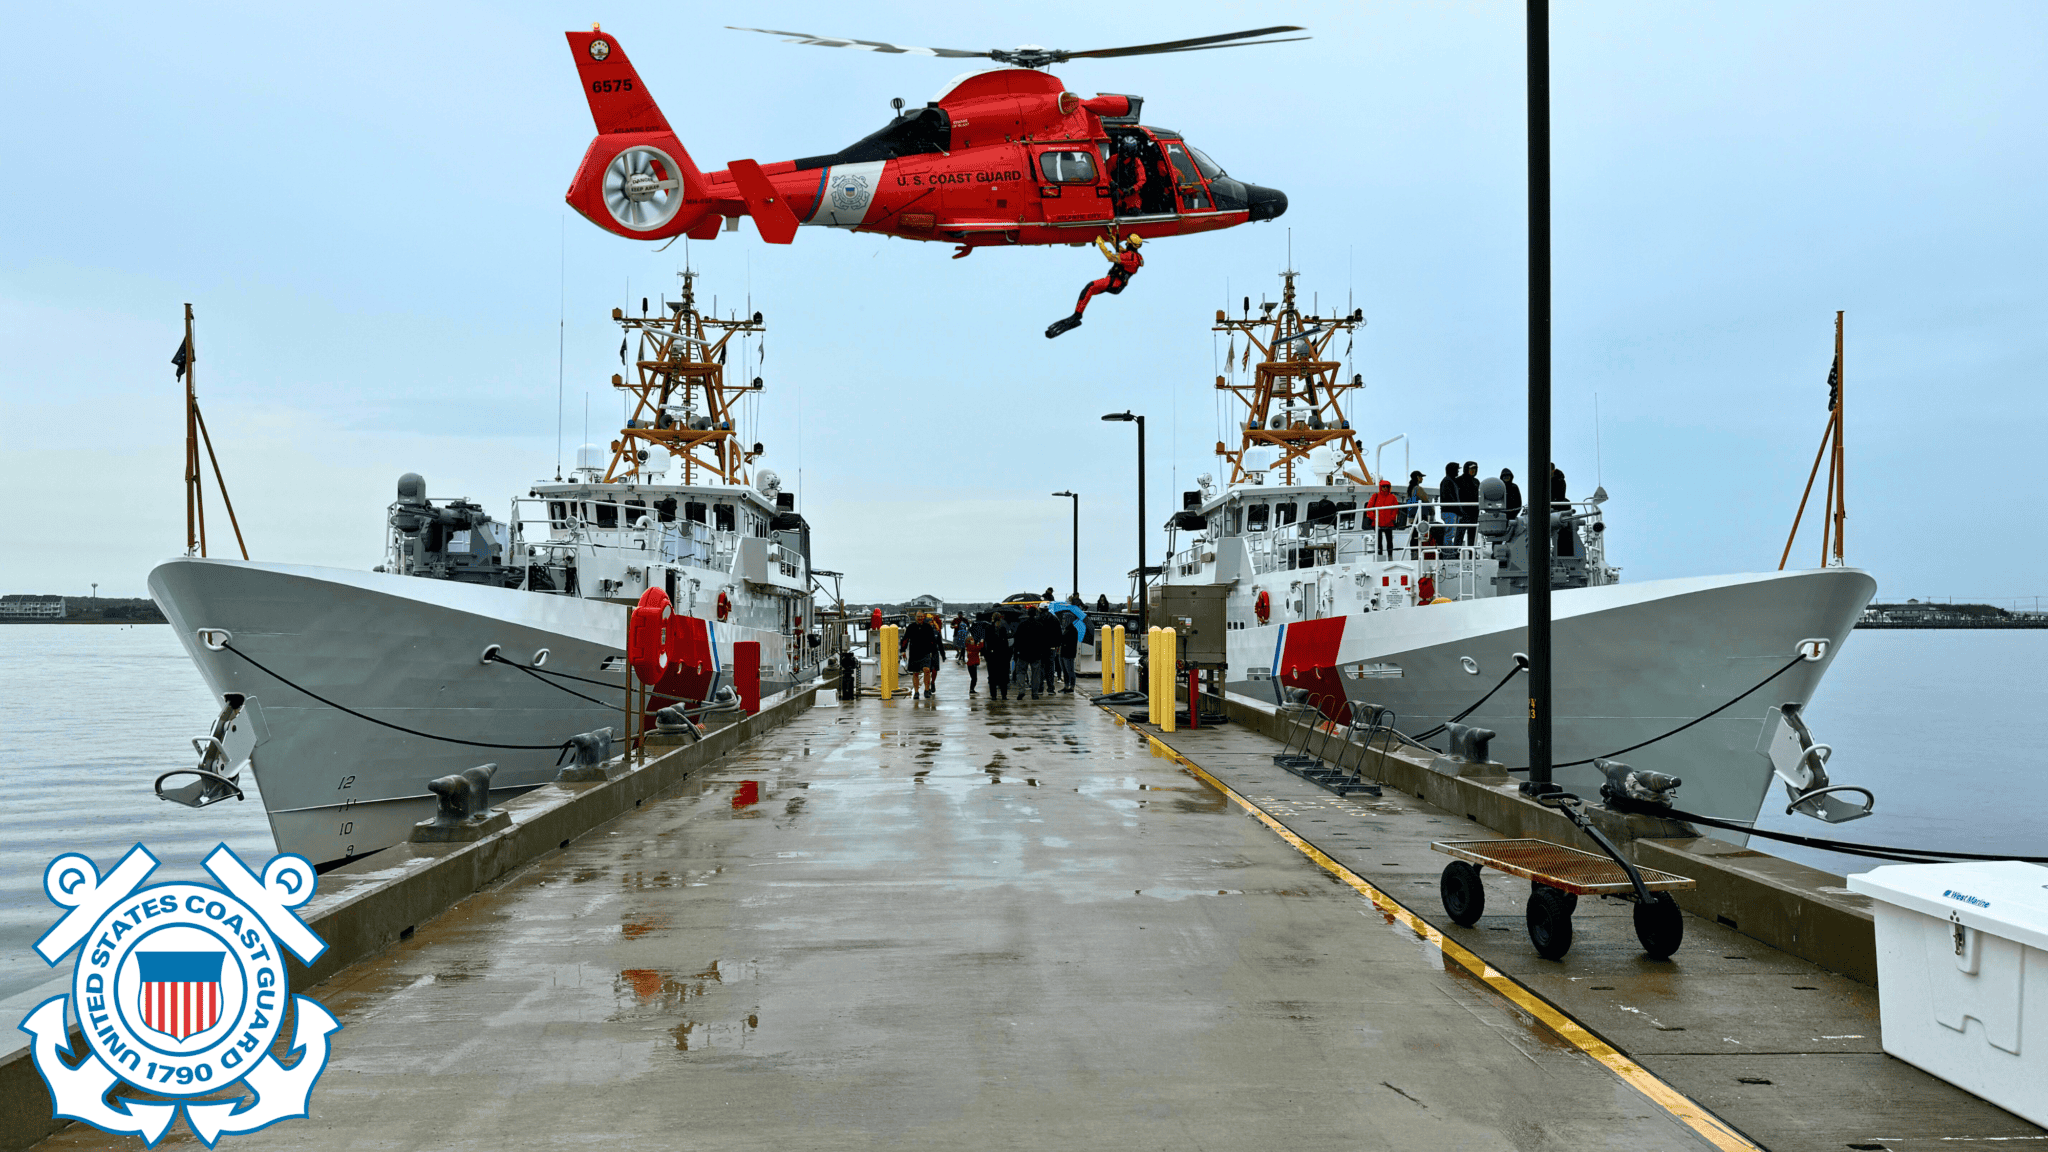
[
  {"x": 1192, "y": 190},
  {"x": 1071, "y": 183}
]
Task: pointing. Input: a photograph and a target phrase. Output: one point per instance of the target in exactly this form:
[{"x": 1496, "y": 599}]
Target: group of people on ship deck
[{"x": 1414, "y": 520}]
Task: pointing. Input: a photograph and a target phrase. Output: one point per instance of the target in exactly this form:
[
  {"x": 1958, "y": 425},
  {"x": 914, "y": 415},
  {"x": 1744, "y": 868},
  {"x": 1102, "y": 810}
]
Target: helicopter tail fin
[
  {"x": 636, "y": 178},
  {"x": 619, "y": 101}
]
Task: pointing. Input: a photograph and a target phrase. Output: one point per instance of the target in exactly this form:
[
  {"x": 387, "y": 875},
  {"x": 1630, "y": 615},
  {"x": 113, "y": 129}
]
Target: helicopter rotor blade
[
  {"x": 1189, "y": 45},
  {"x": 1244, "y": 44},
  {"x": 863, "y": 45}
]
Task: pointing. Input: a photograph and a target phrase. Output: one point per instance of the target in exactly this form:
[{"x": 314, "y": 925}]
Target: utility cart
[{"x": 1558, "y": 875}]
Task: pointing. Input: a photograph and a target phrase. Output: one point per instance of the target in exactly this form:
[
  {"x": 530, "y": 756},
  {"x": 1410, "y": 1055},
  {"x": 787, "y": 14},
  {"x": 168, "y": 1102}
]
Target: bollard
[
  {"x": 1102, "y": 649},
  {"x": 746, "y": 674},
  {"x": 465, "y": 812},
  {"x": 1123, "y": 669},
  {"x": 590, "y": 751},
  {"x": 888, "y": 662},
  {"x": 1166, "y": 666}
]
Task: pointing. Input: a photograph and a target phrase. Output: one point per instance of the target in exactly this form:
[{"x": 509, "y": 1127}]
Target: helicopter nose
[{"x": 1264, "y": 203}]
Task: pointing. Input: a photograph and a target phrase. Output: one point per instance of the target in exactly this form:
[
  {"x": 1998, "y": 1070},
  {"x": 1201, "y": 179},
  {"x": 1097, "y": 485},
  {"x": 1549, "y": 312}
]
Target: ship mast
[
  {"x": 682, "y": 403},
  {"x": 1294, "y": 397}
]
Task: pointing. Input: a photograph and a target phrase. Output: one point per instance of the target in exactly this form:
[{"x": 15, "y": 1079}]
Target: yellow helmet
[{"x": 1134, "y": 240}]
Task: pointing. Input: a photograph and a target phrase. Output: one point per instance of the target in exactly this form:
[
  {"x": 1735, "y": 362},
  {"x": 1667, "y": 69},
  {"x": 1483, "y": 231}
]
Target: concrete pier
[{"x": 972, "y": 924}]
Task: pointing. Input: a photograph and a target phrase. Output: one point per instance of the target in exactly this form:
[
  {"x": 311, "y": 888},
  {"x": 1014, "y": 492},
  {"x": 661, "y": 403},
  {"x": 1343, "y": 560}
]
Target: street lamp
[
  {"x": 1077, "y": 540},
  {"x": 1129, "y": 417}
]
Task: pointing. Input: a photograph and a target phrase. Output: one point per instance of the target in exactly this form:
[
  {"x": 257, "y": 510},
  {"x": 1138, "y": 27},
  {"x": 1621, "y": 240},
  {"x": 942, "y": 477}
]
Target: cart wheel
[
  {"x": 1464, "y": 895},
  {"x": 1660, "y": 926},
  {"x": 1550, "y": 920}
]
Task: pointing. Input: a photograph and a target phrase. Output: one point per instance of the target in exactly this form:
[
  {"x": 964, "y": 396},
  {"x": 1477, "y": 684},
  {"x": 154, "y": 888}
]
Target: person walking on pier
[
  {"x": 1382, "y": 510},
  {"x": 1070, "y": 643},
  {"x": 960, "y": 637},
  {"x": 1035, "y": 642},
  {"x": 921, "y": 643},
  {"x": 997, "y": 649},
  {"x": 970, "y": 651}
]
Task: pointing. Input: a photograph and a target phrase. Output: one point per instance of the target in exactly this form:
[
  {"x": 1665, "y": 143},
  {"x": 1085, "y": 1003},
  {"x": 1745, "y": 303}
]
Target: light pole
[
  {"x": 1143, "y": 582},
  {"x": 1538, "y": 36},
  {"x": 1077, "y": 540}
]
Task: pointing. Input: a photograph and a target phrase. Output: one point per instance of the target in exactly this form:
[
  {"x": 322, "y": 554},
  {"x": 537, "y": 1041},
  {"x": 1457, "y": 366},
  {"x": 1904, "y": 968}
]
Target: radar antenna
[
  {"x": 682, "y": 403},
  {"x": 1294, "y": 397}
]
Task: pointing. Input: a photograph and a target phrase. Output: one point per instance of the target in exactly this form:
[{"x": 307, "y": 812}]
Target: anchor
[
  {"x": 223, "y": 753},
  {"x": 1802, "y": 764}
]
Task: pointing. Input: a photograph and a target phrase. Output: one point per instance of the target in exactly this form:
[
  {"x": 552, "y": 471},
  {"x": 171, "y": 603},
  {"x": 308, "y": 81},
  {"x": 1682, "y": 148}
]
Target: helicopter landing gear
[{"x": 1066, "y": 324}]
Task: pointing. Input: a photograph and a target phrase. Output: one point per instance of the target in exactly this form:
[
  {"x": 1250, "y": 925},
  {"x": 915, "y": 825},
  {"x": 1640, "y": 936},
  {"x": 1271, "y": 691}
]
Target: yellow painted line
[{"x": 1571, "y": 1031}]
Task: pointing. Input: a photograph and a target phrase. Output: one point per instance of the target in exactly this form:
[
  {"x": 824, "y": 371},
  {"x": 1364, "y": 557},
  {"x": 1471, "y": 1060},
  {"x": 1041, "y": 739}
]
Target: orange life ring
[
  {"x": 1263, "y": 606},
  {"x": 724, "y": 606}
]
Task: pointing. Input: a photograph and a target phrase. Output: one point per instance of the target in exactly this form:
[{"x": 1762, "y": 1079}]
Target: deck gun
[
  {"x": 1802, "y": 765},
  {"x": 223, "y": 753},
  {"x": 457, "y": 541}
]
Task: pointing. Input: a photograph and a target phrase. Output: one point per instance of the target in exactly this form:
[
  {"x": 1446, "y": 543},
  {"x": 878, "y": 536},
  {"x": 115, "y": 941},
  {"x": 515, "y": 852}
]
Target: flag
[
  {"x": 180, "y": 993},
  {"x": 183, "y": 356},
  {"x": 1835, "y": 383},
  {"x": 622, "y": 349}
]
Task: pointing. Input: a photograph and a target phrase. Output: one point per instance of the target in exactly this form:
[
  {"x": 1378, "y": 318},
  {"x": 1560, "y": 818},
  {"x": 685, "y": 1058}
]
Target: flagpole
[
  {"x": 1539, "y": 505},
  {"x": 193, "y": 530},
  {"x": 1841, "y": 509}
]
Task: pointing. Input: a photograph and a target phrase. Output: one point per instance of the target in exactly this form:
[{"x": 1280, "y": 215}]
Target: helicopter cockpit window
[
  {"x": 1067, "y": 167},
  {"x": 1181, "y": 163},
  {"x": 1208, "y": 167}
]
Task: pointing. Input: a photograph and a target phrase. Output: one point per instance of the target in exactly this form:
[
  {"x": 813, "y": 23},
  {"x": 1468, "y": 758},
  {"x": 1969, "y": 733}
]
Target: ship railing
[{"x": 637, "y": 528}]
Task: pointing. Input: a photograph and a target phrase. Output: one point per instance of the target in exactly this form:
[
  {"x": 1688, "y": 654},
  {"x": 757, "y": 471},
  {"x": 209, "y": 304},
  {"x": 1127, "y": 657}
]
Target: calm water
[{"x": 1950, "y": 729}]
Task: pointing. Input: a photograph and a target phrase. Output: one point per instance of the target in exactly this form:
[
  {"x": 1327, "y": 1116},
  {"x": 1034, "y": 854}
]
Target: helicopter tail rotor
[{"x": 636, "y": 178}]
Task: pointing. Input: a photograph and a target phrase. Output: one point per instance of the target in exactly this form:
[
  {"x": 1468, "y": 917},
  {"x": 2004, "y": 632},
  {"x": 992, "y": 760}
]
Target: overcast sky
[{"x": 364, "y": 204}]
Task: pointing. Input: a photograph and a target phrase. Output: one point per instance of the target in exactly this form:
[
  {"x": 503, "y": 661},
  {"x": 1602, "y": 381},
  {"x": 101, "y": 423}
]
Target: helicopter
[{"x": 1003, "y": 157}]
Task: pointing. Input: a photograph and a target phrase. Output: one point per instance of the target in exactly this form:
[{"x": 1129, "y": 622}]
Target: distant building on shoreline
[
  {"x": 27, "y": 607},
  {"x": 1915, "y": 614}
]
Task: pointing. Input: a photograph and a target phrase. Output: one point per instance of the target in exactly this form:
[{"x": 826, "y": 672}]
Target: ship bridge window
[
  {"x": 635, "y": 509},
  {"x": 558, "y": 514},
  {"x": 1255, "y": 517},
  {"x": 607, "y": 515},
  {"x": 693, "y": 511},
  {"x": 1283, "y": 513},
  {"x": 1067, "y": 167},
  {"x": 721, "y": 517},
  {"x": 665, "y": 510}
]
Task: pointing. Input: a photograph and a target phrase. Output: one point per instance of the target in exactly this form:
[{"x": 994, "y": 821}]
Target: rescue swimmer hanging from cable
[{"x": 1124, "y": 263}]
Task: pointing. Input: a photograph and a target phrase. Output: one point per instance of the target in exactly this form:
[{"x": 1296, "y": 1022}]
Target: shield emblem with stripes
[{"x": 180, "y": 991}]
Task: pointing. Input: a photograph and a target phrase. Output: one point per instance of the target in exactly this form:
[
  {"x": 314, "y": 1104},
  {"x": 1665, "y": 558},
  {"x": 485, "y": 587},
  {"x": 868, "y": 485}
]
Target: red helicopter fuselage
[{"x": 1004, "y": 157}]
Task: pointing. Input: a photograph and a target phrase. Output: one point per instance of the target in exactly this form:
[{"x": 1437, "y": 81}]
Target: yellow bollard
[
  {"x": 1167, "y": 668},
  {"x": 1152, "y": 674},
  {"x": 888, "y": 662},
  {"x": 1108, "y": 681},
  {"x": 1122, "y": 669}
]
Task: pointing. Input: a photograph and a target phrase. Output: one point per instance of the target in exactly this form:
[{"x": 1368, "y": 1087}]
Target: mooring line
[{"x": 1678, "y": 1104}]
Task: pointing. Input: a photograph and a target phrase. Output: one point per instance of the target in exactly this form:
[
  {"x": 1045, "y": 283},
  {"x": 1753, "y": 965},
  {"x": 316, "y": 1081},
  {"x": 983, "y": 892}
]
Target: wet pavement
[
  {"x": 1787, "y": 1053},
  {"x": 949, "y": 924}
]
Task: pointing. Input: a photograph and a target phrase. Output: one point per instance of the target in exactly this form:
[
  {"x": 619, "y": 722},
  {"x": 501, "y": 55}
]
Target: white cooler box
[{"x": 1962, "y": 975}]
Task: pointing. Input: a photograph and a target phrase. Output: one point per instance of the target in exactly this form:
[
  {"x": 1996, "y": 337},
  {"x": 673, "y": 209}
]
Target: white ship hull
[
  {"x": 406, "y": 651},
  {"x": 1630, "y": 661}
]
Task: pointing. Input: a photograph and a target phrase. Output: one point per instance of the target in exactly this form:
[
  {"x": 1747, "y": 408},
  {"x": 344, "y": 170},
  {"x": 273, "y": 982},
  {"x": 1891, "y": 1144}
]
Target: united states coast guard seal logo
[
  {"x": 180, "y": 991},
  {"x": 851, "y": 192}
]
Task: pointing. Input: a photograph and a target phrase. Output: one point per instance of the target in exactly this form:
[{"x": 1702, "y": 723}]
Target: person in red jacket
[
  {"x": 1124, "y": 263},
  {"x": 1383, "y": 509}
]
